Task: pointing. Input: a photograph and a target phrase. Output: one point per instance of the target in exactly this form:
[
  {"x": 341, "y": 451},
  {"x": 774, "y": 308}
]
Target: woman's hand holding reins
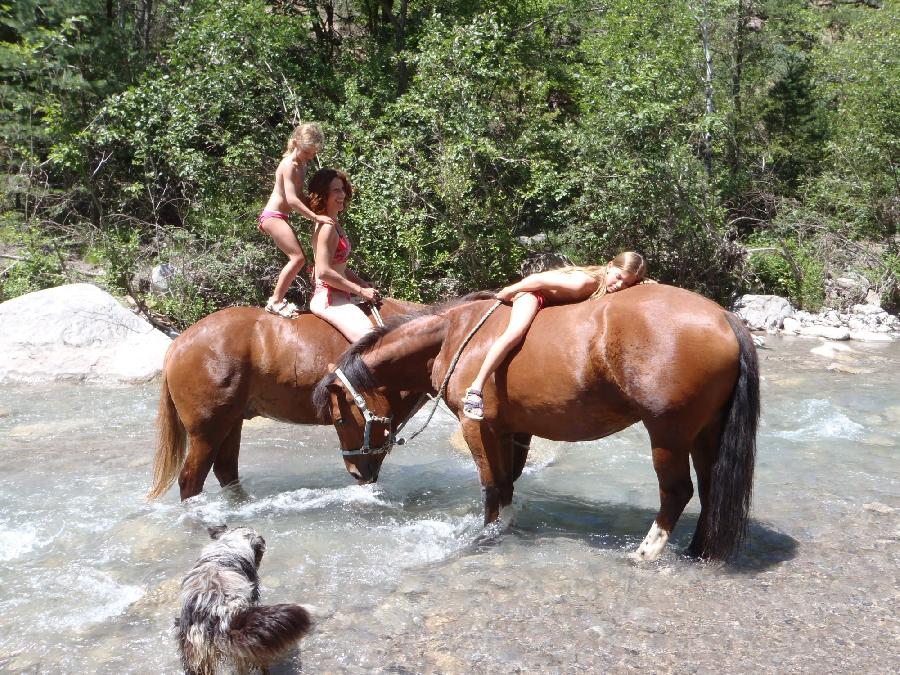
[{"x": 370, "y": 293}]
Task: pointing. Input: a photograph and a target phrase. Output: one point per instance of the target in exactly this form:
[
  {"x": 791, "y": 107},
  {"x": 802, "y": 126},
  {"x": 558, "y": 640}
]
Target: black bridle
[{"x": 370, "y": 418}]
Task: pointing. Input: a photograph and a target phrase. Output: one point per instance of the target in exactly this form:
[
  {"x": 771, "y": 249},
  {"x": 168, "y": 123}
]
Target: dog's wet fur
[{"x": 222, "y": 627}]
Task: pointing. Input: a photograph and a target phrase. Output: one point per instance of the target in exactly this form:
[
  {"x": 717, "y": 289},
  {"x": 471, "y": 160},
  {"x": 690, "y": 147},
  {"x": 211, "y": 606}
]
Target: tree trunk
[
  {"x": 710, "y": 108},
  {"x": 743, "y": 12}
]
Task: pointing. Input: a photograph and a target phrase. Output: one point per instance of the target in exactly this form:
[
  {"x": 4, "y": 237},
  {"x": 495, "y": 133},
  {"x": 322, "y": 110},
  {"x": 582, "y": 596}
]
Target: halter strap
[{"x": 370, "y": 417}]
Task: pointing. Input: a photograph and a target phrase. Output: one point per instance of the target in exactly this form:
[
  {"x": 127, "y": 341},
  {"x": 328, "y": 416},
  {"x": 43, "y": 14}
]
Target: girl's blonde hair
[
  {"x": 307, "y": 135},
  {"x": 627, "y": 261}
]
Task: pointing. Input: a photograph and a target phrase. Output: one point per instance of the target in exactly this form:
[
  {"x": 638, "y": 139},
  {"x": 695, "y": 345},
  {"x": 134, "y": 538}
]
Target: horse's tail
[
  {"x": 732, "y": 479},
  {"x": 171, "y": 439}
]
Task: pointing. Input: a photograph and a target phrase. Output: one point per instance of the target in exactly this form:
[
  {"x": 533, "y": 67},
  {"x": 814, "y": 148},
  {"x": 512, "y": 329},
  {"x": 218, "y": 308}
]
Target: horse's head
[
  {"x": 365, "y": 415},
  {"x": 363, "y": 423}
]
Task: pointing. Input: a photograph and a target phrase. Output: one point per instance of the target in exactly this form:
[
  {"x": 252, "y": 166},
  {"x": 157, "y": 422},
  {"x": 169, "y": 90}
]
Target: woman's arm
[{"x": 355, "y": 278}]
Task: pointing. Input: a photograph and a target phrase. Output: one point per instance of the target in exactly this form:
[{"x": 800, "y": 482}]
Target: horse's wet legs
[
  {"x": 225, "y": 466},
  {"x": 494, "y": 459},
  {"x": 196, "y": 467},
  {"x": 673, "y": 472},
  {"x": 521, "y": 445},
  {"x": 704, "y": 455}
]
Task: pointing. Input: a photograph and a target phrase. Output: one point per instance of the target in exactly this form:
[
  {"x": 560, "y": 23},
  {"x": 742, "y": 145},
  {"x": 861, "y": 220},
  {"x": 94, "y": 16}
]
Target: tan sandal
[
  {"x": 284, "y": 309},
  {"x": 473, "y": 404}
]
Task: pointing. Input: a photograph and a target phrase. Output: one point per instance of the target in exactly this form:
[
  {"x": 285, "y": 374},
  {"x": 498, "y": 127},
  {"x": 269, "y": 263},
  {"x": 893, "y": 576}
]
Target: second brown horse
[
  {"x": 233, "y": 365},
  {"x": 669, "y": 358}
]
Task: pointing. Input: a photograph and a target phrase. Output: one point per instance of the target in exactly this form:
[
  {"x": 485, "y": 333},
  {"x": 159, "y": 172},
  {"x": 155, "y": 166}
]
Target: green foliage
[
  {"x": 791, "y": 270},
  {"x": 151, "y": 136},
  {"x": 40, "y": 267},
  {"x": 454, "y": 168},
  {"x": 229, "y": 271},
  {"x": 861, "y": 84}
]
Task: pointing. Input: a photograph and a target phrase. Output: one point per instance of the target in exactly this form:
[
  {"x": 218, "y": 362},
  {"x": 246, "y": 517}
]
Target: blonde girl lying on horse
[{"x": 554, "y": 287}]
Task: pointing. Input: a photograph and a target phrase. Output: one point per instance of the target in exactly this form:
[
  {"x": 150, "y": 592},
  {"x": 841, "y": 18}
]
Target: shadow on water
[{"x": 616, "y": 526}]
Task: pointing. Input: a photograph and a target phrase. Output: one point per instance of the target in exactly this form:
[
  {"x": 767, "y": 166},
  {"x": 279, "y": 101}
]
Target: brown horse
[
  {"x": 667, "y": 357},
  {"x": 233, "y": 365}
]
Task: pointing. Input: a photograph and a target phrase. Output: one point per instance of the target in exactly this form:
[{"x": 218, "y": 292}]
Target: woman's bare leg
[
  {"x": 285, "y": 239},
  {"x": 524, "y": 308},
  {"x": 341, "y": 313}
]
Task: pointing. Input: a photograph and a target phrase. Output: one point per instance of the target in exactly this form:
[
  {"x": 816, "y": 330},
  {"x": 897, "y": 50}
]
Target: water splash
[
  {"x": 818, "y": 418},
  {"x": 15, "y": 543}
]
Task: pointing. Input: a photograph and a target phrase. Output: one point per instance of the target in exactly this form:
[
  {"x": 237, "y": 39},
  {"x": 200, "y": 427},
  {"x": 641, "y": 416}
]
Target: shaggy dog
[{"x": 221, "y": 623}]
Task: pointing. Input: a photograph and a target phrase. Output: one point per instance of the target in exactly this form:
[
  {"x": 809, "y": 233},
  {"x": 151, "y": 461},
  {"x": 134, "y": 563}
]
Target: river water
[{"x": 404, "y": 578}]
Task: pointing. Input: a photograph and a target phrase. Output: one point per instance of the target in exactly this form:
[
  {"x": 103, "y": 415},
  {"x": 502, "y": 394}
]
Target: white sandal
[{"x": 284, "y": 309}]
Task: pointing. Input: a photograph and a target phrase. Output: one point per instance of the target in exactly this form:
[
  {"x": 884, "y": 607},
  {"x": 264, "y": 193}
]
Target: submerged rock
[
  {"x": 76, "y": 333},
  {"x": 829, "y": 332}
]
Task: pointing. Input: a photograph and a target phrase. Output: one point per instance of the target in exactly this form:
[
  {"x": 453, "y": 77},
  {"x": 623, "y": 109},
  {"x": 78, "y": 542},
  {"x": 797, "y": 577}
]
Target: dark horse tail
[
  {"x": 732, "y": 479},
  {"x": 170, "y": 442}
]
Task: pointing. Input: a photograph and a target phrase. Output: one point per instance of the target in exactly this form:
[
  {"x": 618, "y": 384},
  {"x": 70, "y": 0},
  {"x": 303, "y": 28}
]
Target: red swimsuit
[{"x": 341, "y": 254}]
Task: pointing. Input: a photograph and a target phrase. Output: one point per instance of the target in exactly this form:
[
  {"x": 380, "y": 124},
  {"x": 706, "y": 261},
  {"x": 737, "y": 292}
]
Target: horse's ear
[{"x": 216, "y": 531}]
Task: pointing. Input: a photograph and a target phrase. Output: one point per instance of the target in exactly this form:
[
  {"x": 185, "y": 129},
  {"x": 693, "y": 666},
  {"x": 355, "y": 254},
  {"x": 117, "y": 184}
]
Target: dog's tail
[{"x": 263, "y": 634}]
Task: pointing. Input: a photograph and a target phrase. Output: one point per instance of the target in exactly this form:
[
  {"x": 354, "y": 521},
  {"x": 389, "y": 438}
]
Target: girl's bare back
[{"x": 287, "y": 171}]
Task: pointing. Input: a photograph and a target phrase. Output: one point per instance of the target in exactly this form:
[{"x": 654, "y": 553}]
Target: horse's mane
[{"x": 355, "y": 369}]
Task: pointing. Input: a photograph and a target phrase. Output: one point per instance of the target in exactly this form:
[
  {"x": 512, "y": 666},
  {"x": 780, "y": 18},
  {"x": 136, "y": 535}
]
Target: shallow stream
[{"x": 402, "y": 574}]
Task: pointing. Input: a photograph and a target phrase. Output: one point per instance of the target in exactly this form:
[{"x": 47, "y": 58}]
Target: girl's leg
[
  {"x": 340, "y": 311},
  {"x": 285, "y": 239},
  {"x": 524, "y": 309}
]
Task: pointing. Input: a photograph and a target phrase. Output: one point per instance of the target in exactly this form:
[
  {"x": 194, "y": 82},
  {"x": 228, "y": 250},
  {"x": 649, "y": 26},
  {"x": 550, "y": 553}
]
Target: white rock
[
  {"x": 830, "y": 349},
  {"x": 76, "y": 333},
  {"x": 791, "y": 325},
  {"x": 161, "y": 276},
  {"x": 870, "y": 336},
  {"x": 763, "y": 312},
  {"x": 867, "y": 309},
  {"x": 829, "y": 332}
]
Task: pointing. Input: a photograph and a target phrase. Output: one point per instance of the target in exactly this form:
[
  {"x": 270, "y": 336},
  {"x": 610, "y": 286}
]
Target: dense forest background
[{"x": 741, "y": 145}]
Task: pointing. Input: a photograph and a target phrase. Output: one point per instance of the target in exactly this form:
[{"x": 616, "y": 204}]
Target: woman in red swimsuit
[
  {"x": 329, "y": 192},
  {"x": 287, "y": 195},
  {"x": 567, "y": 284}
]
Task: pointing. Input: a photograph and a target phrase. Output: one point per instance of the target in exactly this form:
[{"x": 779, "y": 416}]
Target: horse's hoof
[{"x": 652, "y": 546}]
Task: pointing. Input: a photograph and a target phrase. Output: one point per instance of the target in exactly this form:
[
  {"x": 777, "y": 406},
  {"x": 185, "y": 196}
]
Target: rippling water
[{"x": 404, "y": 577}]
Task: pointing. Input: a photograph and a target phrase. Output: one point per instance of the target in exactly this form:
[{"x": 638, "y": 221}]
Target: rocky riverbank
[{"x": 774, "y": 314}]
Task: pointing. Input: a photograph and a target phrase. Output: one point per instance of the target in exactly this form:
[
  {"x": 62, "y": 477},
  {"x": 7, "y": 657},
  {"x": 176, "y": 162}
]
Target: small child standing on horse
[
  {"x": 305, "y": 143},
  {"x": 559, "y": 286}
]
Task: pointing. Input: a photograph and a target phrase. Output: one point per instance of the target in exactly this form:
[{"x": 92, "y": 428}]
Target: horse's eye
[{"x": 339, "y": 421}]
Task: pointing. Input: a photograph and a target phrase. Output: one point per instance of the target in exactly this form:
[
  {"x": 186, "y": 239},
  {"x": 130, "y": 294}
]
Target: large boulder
[
  {"x": 77, "y": 333},
  {"x": 850, "y": 288},
  {"x": 763, "y": 312}
]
